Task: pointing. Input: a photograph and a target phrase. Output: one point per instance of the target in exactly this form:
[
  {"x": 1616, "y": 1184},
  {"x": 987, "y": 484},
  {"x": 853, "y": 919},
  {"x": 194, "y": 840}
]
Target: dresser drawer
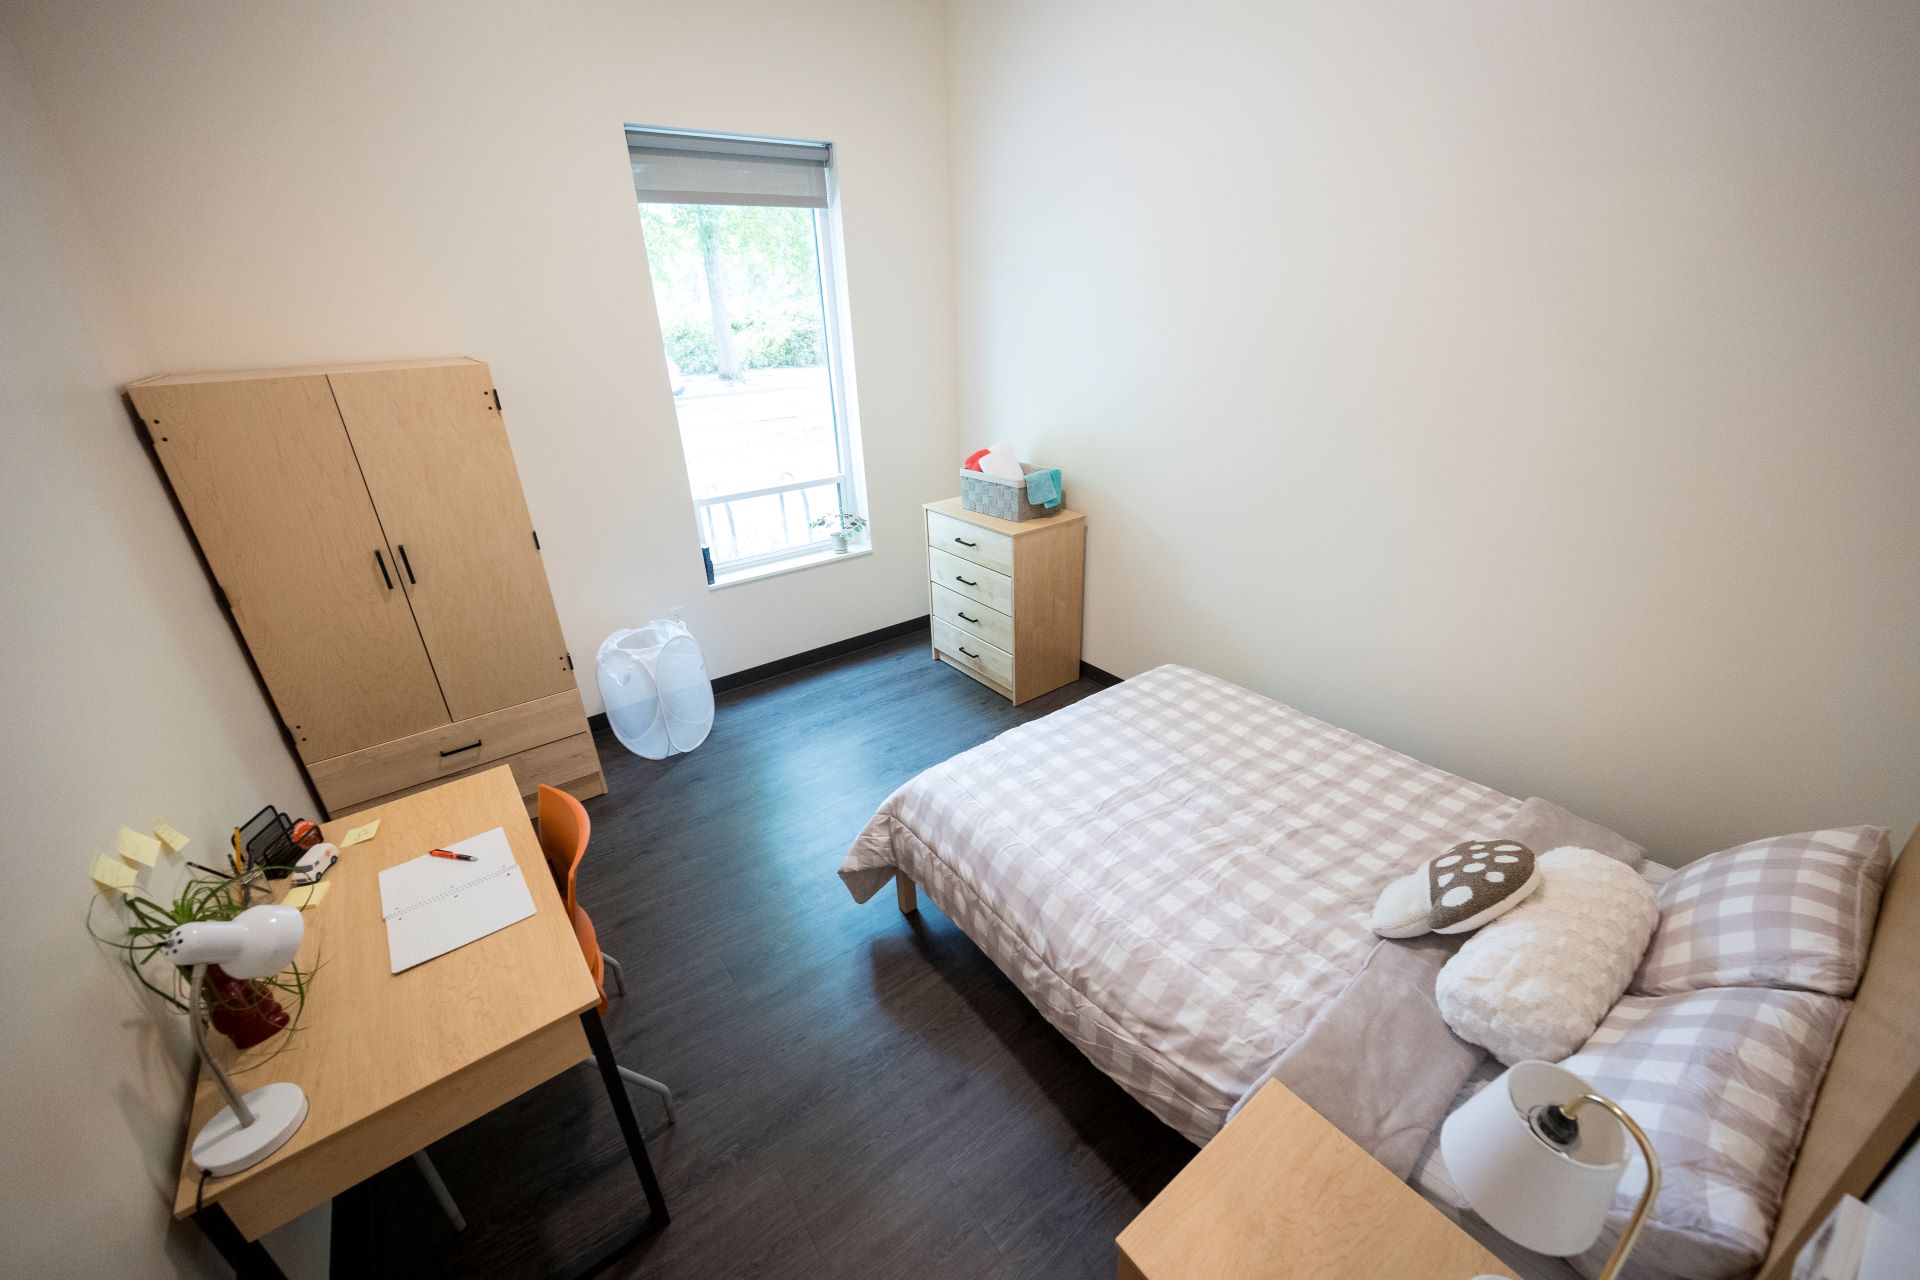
[
  {"x": 446, "y": 751},
  {"x": 970, "y": 542},
  {"x": 956, "y": 610},
  {"x": 995, "y": 590},
  {"x": 971, "y": 651}
]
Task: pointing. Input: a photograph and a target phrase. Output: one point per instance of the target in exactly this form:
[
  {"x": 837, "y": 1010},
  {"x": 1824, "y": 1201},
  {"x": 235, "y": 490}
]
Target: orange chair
[{"x": 564, "y": 828}]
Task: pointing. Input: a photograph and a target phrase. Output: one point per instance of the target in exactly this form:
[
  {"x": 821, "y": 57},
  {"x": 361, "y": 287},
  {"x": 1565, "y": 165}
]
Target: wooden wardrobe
[{"x": 365, "y": 526}]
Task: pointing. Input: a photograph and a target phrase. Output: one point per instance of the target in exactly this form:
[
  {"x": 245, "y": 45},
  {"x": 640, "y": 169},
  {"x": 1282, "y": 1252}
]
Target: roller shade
[{"x": 708, "y": 168}]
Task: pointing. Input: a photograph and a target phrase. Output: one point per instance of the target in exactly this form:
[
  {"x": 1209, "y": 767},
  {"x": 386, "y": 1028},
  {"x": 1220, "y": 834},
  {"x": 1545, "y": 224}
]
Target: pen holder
[{"x": 266, "y": 844}]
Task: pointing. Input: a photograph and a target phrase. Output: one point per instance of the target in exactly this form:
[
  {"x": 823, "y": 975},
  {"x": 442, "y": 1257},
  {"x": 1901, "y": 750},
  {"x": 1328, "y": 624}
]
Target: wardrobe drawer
[
  {"x": 970, "y": 542},
  {"x": 446, "y": 751},
  {"x": 572, "y": 764},
  {"x": 956, "y": 610},
  {"x": 971, "y": 651},
  {"x": 963, "y": 577}
]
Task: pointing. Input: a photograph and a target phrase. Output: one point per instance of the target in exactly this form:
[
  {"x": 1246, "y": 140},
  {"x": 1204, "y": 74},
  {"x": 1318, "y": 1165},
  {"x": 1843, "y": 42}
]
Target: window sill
[{"x": 813, "y": 560}]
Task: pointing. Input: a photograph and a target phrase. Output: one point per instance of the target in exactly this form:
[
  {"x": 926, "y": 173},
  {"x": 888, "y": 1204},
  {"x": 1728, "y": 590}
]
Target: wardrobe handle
[
  {"x": 406, "y": 564},
  {"x": 963, "y": 542},
  {"x": 970, "y": 653},
  {"x": 965, "y": 617},
  {"x": 969, "y": 581},
  {"x": 382, "y": 562},
  {"x": 457, "y": 750}
]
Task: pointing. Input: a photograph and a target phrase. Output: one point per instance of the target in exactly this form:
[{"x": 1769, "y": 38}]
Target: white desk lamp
[
  {"x": 1531, "y": 1157},
  {"x": 257, "y": 943}
]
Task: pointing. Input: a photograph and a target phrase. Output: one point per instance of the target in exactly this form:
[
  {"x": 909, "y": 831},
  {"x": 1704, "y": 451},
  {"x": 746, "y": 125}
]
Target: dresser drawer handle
[
  {"x": 457, "y": 750},
  {"x": 963, "y": 542},
  {"x": 969, "y": 581},
  {"x": 967, "y": 617},
  {"x": 970, "y": 653}
]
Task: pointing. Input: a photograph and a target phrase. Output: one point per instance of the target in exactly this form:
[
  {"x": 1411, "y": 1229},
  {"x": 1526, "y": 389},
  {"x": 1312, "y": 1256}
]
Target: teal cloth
[{"x": 1043, "y": 487}]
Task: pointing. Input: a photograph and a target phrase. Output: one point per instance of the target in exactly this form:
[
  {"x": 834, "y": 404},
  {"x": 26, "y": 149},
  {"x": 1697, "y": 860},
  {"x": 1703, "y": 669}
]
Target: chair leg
[
  {"x": 648, "y": 1082},
  {"x": 613, "y": 967},
  {"x": 424, "y": 1164}
]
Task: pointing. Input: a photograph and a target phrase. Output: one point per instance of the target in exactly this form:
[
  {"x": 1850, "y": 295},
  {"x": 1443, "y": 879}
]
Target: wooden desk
[
  {"x": 392, "y": 1062},
  {"x": 1281, "y": 1194}
]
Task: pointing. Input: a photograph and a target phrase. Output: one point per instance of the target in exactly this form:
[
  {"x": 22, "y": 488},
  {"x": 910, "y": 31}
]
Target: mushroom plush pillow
[{"x": 1458, "y": 891}]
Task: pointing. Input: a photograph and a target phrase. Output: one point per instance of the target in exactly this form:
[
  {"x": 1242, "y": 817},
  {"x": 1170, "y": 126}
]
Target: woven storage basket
[{"x": 1007, "y": 499}]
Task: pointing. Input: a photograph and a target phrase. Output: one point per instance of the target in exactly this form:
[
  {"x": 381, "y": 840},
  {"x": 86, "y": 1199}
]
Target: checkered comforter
[{"x": 1176, "y": 871}]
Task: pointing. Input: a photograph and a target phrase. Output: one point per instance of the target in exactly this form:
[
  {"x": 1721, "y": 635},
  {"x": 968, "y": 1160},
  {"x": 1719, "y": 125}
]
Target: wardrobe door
[
  {"x": 435, "y": 456},
  {"x": 267, "y": 477}
]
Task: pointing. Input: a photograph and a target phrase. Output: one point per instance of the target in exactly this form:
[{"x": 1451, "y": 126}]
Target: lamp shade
[
  {"x": 257, "y": 943},
  {"x": 1551, "y": 1198}
]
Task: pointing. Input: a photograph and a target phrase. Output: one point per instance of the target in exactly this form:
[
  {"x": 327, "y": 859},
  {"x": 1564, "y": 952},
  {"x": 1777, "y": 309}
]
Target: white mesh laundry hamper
[{"x": 654, "y": 682}]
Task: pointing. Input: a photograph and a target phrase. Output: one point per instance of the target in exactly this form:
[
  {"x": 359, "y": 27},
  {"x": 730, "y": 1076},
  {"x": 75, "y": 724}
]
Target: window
[{"x": 740, "y": 248}]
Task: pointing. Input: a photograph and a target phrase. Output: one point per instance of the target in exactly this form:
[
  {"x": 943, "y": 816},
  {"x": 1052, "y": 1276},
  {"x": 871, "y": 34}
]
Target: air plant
[{"x": 149, "y": 921}]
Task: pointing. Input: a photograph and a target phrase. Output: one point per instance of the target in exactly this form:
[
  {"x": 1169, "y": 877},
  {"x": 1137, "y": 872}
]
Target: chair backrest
[{"x": 564, "y": 828}]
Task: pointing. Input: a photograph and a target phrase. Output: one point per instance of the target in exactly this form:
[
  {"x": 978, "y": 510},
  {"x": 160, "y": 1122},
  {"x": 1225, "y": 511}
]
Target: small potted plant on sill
[{"x": 840, "y": 526}]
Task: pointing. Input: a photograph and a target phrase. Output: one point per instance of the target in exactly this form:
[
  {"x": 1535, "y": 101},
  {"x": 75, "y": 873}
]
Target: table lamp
[
  {"x": 257, "y": 943},
  {"x": 1538, "y": 1154}
]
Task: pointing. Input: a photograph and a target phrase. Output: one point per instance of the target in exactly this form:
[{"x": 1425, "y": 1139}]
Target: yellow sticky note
[
  {"x": 306, "y": 895},
  {"x": 111, "y": 873},
  {"x": 135, "y": 847},
  {"x": 170, "y": 835},
  {"x": 358, "y": 834}
]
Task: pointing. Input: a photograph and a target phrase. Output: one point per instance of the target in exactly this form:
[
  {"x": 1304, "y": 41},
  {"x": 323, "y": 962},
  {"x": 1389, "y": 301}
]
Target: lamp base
[{"x": 225, "y": 1146}]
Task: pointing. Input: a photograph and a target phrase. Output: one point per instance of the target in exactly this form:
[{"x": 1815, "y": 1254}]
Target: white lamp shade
[
  {"x": 257, "y": 943},
  {"x": 1550, "y": 1200}
]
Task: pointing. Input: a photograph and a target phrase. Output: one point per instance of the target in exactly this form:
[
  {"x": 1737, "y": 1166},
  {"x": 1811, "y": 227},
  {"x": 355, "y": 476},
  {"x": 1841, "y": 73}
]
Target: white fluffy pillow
[{"x": 1537, "y": 981}]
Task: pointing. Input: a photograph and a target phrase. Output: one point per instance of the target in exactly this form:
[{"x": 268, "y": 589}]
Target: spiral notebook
[{"x": 436, "y": 905}]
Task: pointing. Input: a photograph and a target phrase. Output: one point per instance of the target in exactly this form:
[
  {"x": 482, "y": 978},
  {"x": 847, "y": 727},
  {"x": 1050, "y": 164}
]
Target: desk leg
[
  {"x": 248, "y": 1258},
  {"x": 623, "y": 1112}
]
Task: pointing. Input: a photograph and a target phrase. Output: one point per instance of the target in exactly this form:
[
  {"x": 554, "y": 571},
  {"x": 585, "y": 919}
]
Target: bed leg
[{"x": 903, "y": 886}]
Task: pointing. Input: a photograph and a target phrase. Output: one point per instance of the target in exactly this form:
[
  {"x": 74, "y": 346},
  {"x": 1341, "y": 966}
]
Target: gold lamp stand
[{"x": 1618, "y": 1257}]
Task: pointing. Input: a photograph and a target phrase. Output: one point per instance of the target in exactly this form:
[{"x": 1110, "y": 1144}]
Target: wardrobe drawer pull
[
  {"x": 966, "y": 617},
  {"x": 970, "y": 653},
  {"x": 969, "y": 581},
  {"x": 407, "y": 565},
  {"x": 385, "y": 576},
  {"x": 963, "y": 542},
  {"x": 471, "y": 746}
]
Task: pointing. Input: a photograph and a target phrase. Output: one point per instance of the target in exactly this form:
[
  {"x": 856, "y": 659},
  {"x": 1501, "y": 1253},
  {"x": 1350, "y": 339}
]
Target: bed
[{"x": 1178, "y": 873}]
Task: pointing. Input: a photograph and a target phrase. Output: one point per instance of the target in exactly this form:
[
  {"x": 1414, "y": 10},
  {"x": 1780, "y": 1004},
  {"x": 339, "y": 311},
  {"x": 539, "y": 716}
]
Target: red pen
[{"x": 448, "y": 853}]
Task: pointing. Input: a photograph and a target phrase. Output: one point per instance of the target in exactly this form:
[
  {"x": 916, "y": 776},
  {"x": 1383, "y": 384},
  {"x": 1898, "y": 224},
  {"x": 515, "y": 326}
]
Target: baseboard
[
  {"x": 1090, "y": 672},
  {"x": 781, "y": 666}
]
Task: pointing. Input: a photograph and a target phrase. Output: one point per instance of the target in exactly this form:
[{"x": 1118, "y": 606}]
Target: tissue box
[{"x": 1006, "y": 499}]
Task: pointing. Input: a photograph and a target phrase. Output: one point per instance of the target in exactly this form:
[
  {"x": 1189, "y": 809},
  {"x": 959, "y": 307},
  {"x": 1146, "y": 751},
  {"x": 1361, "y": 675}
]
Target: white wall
[
  {"x": 125, "y": 698},
  {"x": 197, "y": 186},
  {"x": 277, "y": 184},
  {"x": 1531, "y": 387}
]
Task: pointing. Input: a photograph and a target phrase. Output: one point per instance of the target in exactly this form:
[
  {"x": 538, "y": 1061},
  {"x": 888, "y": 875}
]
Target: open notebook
[{"x": 436, "y": 905}]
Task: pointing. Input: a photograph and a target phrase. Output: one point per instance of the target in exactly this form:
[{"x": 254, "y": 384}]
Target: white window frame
[{"x": 846, "y": 479}]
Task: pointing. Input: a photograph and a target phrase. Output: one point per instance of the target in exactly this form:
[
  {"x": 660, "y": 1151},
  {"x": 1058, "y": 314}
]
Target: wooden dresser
[
  {"x": 1006, "y": 597},
  {"x": 364, "y": 524}
]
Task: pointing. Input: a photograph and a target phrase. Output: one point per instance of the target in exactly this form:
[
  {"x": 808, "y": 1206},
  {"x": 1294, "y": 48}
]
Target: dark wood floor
[{"x": 862, "y": 1094}]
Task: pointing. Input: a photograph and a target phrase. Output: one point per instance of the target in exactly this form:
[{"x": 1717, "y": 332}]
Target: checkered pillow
[
  {"x": 1792, "y": 912},
  {"x": 1722, "y": 1081}
]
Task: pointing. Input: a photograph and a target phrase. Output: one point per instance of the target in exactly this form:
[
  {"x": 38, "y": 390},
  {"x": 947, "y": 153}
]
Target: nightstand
[{"x": 1280, "y": 1194}]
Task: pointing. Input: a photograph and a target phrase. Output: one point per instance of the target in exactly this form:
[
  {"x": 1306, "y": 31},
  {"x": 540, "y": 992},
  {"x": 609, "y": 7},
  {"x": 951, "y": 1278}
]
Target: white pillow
[{"x": 1537, "y": 981}]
